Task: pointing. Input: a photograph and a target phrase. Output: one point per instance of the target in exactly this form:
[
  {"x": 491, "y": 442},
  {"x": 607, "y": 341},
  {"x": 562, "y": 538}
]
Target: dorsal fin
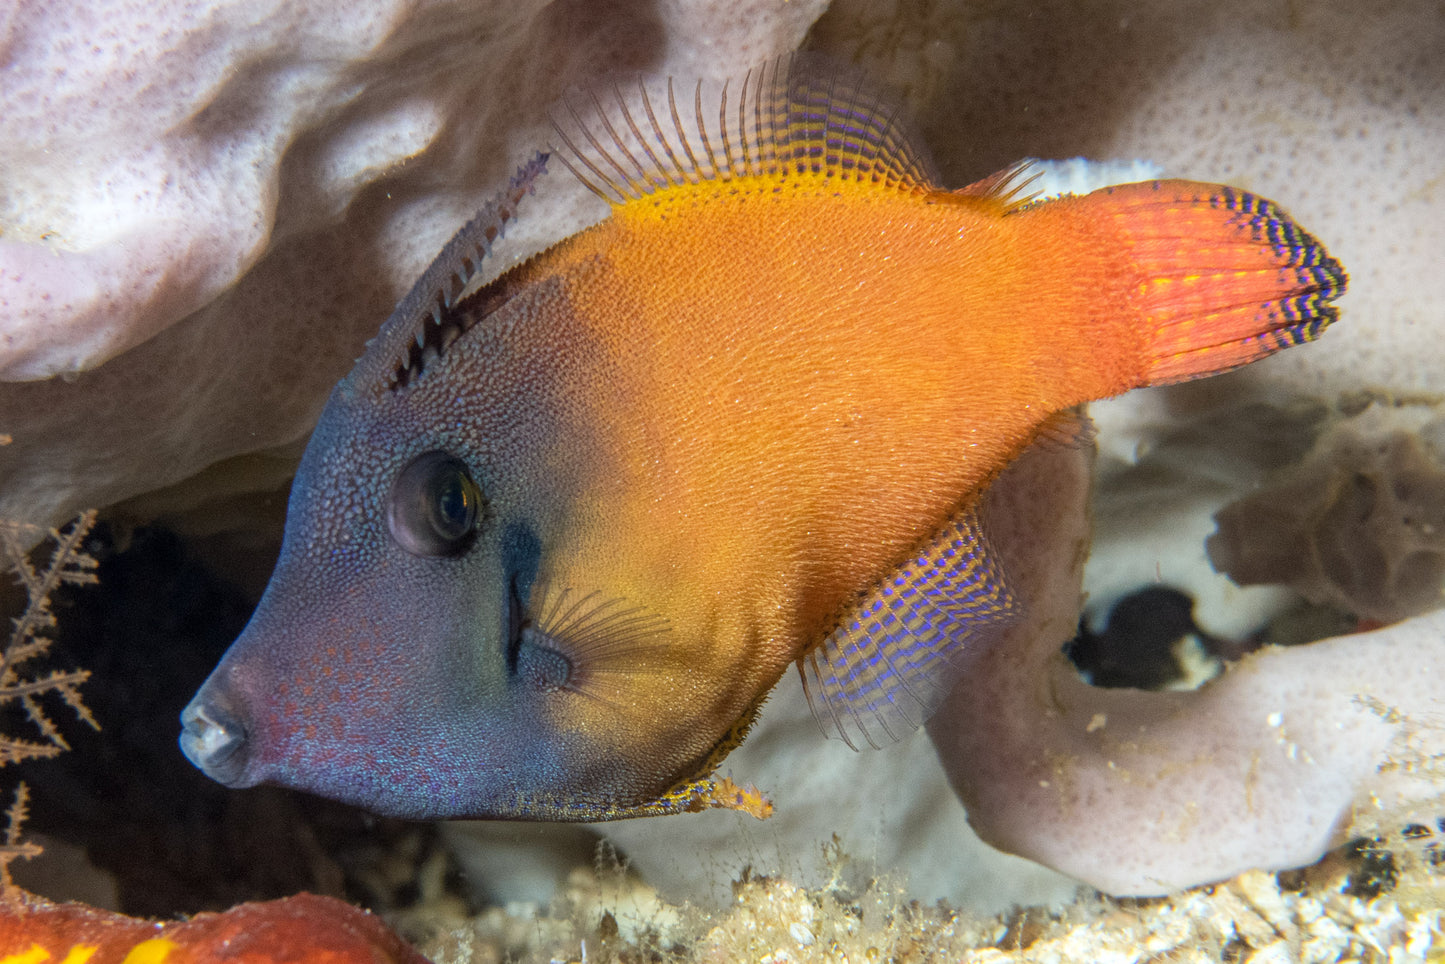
[
  {"x": 424, "y": 322},
  {"x": 799, "y": 115},
  {"x": 897, "y": 653},
  {"x": 1009, "y": 188}
]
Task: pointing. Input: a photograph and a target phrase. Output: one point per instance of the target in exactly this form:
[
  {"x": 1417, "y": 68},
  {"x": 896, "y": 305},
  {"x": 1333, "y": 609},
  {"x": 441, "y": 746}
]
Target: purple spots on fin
[{"x": 891, "y": 660}]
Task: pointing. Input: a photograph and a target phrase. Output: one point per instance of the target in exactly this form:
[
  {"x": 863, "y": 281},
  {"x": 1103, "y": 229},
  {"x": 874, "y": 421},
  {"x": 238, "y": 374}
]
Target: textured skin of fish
[{"x": 706, "y": 437}]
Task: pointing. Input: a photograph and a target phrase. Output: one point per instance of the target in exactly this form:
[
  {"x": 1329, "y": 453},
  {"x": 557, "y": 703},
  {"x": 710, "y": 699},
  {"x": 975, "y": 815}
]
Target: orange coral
[{"x": 318, "y": 930}]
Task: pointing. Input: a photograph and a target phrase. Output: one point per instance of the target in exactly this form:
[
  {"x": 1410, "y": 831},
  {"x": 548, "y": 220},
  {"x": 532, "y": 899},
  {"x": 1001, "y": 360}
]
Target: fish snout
[{"x": 214, "y": 738}]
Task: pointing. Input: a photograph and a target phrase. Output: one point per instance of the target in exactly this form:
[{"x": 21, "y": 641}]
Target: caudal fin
[{"x": 1229, "y": 277}]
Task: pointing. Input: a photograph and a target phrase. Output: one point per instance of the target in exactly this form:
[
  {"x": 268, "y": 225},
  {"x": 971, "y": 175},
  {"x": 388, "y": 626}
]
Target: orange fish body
[
  {"x": 756, "y": 408},
  {"x": 791, "y": 455}
]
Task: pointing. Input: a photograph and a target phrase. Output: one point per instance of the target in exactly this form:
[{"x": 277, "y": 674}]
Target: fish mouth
[{"x": 214, "y": 739}]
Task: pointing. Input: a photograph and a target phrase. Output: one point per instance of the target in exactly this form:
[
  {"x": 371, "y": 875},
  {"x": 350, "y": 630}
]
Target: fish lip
[{"x": 215, "y": 741}]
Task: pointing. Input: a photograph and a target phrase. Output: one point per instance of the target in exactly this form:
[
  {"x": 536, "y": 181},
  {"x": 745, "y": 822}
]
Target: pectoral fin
[{"x": 890, "y": 661}]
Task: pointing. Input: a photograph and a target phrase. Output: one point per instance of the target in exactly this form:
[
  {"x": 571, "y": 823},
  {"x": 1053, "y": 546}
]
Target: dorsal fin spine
[
  {"x": 761, "y": 145},
  {"x": 659, "y": 177},
  {"x": 702, "y": 132},
  {"x": 743, "y": 162},
  {"x": 581, "y": 158},
  {"x": 418, "y": 318},
  {"x": 727, "y": 144},
  {"x": 745, "y": 159},
  {"x": 772, "y": 128},
  {"x": 832, "y": 133},
  {"x": 672, "y": 167},
  {"x": 621, "y": 147},
  {"x": 621, "y": 191},
  {"x": 692, "y": 166},
  {"x": 730, "y": 161}
]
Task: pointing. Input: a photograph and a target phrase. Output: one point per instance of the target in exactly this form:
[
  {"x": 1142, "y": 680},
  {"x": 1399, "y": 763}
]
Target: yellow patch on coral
[
  {"x": 35, "y": 955},
  {"x": 78, "y": 954},
  {"x": 153, "y": 951}
]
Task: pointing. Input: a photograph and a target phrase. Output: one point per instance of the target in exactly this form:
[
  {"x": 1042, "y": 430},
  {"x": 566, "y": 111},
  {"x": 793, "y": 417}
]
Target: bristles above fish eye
[
  {"x": 795, "y": 116},
  {"x": 429, "y": 318}
]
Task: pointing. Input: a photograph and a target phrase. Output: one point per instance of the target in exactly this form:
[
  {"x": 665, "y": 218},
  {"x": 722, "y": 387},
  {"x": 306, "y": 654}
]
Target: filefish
[{"x": 559, "y": 533}]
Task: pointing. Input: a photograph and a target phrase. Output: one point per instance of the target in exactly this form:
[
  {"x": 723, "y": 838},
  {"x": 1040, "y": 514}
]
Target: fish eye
[{"x": 434, "y": 506}]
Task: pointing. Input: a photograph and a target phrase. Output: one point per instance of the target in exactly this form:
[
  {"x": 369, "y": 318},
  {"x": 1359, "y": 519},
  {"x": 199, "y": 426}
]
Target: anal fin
[{"x": 892, "y": 659}]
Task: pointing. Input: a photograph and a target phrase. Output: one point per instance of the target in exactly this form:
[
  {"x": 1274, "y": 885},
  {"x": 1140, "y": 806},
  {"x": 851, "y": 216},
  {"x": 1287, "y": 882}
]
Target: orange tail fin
[{"x": 1229, "y": 277}]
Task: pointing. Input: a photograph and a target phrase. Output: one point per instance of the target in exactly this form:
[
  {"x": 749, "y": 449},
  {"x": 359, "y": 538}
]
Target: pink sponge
[{"x": 1143, "y": 792}]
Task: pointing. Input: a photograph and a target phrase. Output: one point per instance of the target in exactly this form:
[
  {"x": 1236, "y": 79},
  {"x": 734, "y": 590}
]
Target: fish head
[{"x": 432, "y": 641}]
